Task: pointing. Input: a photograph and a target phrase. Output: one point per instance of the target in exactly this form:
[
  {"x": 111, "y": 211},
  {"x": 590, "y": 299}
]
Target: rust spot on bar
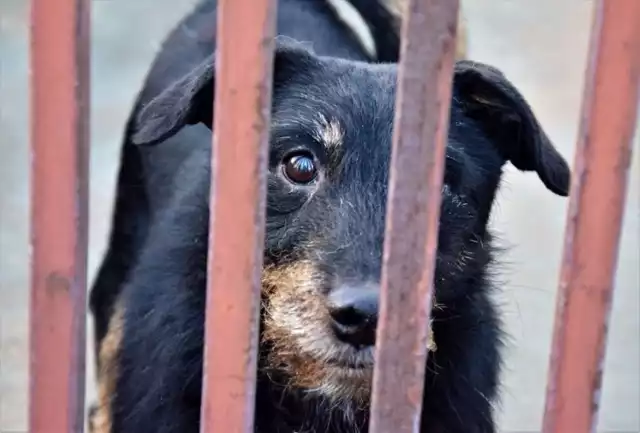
[
  {"x": 57, "y": 284},
  {"x": 244, "y": 63},
  {"x": 594, "y": 219},
  {"x": 59, "y": 200},
  {"x": 420, "y": 134}
]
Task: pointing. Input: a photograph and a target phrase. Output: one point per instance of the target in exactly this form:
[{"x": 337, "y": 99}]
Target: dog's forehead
[{"x": 340, "y": 104}]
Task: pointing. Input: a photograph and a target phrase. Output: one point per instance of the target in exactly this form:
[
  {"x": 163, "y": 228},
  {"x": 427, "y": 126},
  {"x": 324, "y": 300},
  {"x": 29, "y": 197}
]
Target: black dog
[{"x": 327, "y": 185}]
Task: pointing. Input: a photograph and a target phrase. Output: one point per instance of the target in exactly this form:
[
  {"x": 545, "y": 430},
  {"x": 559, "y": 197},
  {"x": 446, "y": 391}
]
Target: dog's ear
[
  {"x": 189, "y": 100},
  {"x": 488, "y": 97}
]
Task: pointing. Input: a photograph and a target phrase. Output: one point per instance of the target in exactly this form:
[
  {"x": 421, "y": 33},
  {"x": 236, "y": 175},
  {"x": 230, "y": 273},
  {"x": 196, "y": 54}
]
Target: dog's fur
[{"x": 335, "y": 101}]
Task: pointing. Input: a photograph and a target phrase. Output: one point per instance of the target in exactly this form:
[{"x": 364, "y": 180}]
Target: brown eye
[{"x": 300, "y": 168}]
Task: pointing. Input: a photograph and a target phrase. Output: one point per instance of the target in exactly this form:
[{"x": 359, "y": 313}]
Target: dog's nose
[{"x": 354, "y": 311}]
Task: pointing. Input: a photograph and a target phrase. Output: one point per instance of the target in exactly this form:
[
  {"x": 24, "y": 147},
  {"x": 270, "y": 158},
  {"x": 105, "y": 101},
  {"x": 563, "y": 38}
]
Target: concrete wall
[{"x": 540, "y": 45}]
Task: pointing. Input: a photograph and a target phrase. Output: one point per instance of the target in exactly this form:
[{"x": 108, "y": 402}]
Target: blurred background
[{"x": 541, "y": 46}]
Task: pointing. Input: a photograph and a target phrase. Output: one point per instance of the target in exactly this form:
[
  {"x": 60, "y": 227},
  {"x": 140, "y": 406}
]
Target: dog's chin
[
  {"x": 342, "y": 355},
  {"x": 327, "y": 368},
  {"x": 346, "y": 376}
]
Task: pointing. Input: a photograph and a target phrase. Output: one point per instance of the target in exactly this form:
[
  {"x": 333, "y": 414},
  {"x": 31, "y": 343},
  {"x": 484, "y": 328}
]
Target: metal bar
[
  {"x": 415, "y": 185},
  {"x": 244, "y": 63},
  {"x": 594, "y": 219},
  {"x": 59, "y": 213}
]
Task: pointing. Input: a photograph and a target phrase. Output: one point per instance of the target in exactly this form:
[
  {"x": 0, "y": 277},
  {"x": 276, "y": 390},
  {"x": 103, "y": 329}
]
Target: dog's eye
[{"x": 300, "y": 168}]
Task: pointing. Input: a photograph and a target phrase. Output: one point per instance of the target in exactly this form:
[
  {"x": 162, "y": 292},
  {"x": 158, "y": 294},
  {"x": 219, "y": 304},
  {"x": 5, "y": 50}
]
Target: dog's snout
[{"x": 354, "y": 311}]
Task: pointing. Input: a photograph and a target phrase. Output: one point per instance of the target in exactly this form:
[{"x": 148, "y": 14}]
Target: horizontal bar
[
  {"x": 596, "y": 207},
  {"x": 59, "y": 213},
  {"x": 244, "y": 63},
  {"x": 415, "y": 185}
]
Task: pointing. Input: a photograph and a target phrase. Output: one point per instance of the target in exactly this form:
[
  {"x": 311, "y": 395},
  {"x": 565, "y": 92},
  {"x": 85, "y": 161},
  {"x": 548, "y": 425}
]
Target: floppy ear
[
  {"x": 183, "y": 103},
  {"x": 502, "y": 112},
  {"x": 189, "y": 100}
]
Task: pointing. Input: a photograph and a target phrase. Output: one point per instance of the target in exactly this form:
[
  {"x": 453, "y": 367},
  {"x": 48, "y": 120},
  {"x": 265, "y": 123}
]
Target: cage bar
[
  {"x": 601, "y": 166},
  {"x": 59, "y": 213},
  {"x": 415, "y": 185},
  {"x": 242, "y": 111}
]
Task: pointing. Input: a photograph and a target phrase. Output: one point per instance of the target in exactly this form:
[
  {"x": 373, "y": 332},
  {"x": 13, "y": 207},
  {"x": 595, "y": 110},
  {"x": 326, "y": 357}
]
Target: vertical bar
[
  {"x": 59, "y": 212},
  {"x": 595, "y": 215},
  {"x": 415, "y": 185},
  {"x": 244, "y": 63}
]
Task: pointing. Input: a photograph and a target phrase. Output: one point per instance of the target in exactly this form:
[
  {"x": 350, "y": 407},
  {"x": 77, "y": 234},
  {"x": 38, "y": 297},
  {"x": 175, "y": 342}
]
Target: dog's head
[{"x": 327, "y": 188}]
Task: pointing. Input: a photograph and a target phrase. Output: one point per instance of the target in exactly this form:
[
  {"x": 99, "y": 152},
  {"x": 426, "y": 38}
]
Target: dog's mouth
[
  {"x": 348, "y": 364},
  {"x": 351, "y": 358}
]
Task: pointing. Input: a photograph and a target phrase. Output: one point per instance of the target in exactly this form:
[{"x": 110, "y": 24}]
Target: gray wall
[{"x": 540, "y": 45}]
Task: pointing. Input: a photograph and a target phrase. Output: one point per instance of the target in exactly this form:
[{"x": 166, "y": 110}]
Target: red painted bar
[
  {"x": 595, "y": 214},
  {"x": 420, "y": 134},
  {"x": 59, "y": 213},
  {"x": 238, "y": 191}
]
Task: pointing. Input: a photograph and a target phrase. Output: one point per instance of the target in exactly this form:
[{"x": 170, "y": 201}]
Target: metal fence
[{"x": 60, "y": 146}]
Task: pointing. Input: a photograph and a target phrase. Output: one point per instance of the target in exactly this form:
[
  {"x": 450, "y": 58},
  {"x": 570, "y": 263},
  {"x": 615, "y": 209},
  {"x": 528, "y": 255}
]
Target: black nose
[{"x": 354, "y": 311}]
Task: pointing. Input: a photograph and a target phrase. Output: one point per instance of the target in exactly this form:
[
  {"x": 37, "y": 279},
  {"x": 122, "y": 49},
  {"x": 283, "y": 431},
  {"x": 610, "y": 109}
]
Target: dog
[{"x": 334, "y": 85}]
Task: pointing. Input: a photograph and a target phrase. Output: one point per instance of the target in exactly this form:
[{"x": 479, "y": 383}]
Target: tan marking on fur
[
  {"x": 329, "y": 132},
  {"x": 431, "y": 342},
  {"x": 397, "y": 8},
  {"x": 100, "y": 422},
  {"x": 297, "y": 328}
]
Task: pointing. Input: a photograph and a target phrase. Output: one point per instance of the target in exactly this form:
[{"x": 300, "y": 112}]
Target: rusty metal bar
[
  {"x": 242, "y": 105},
  {"x": 415, "y": 185},
  {"x": 595, "y": 214},
  {"x": 59, "y": 213}
]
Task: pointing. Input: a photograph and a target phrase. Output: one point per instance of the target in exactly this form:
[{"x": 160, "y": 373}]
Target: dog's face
[{"x": 329, "y": 161}]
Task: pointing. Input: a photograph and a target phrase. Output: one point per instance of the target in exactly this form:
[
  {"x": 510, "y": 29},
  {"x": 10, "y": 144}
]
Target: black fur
[{"x": 156, "y": 262}]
